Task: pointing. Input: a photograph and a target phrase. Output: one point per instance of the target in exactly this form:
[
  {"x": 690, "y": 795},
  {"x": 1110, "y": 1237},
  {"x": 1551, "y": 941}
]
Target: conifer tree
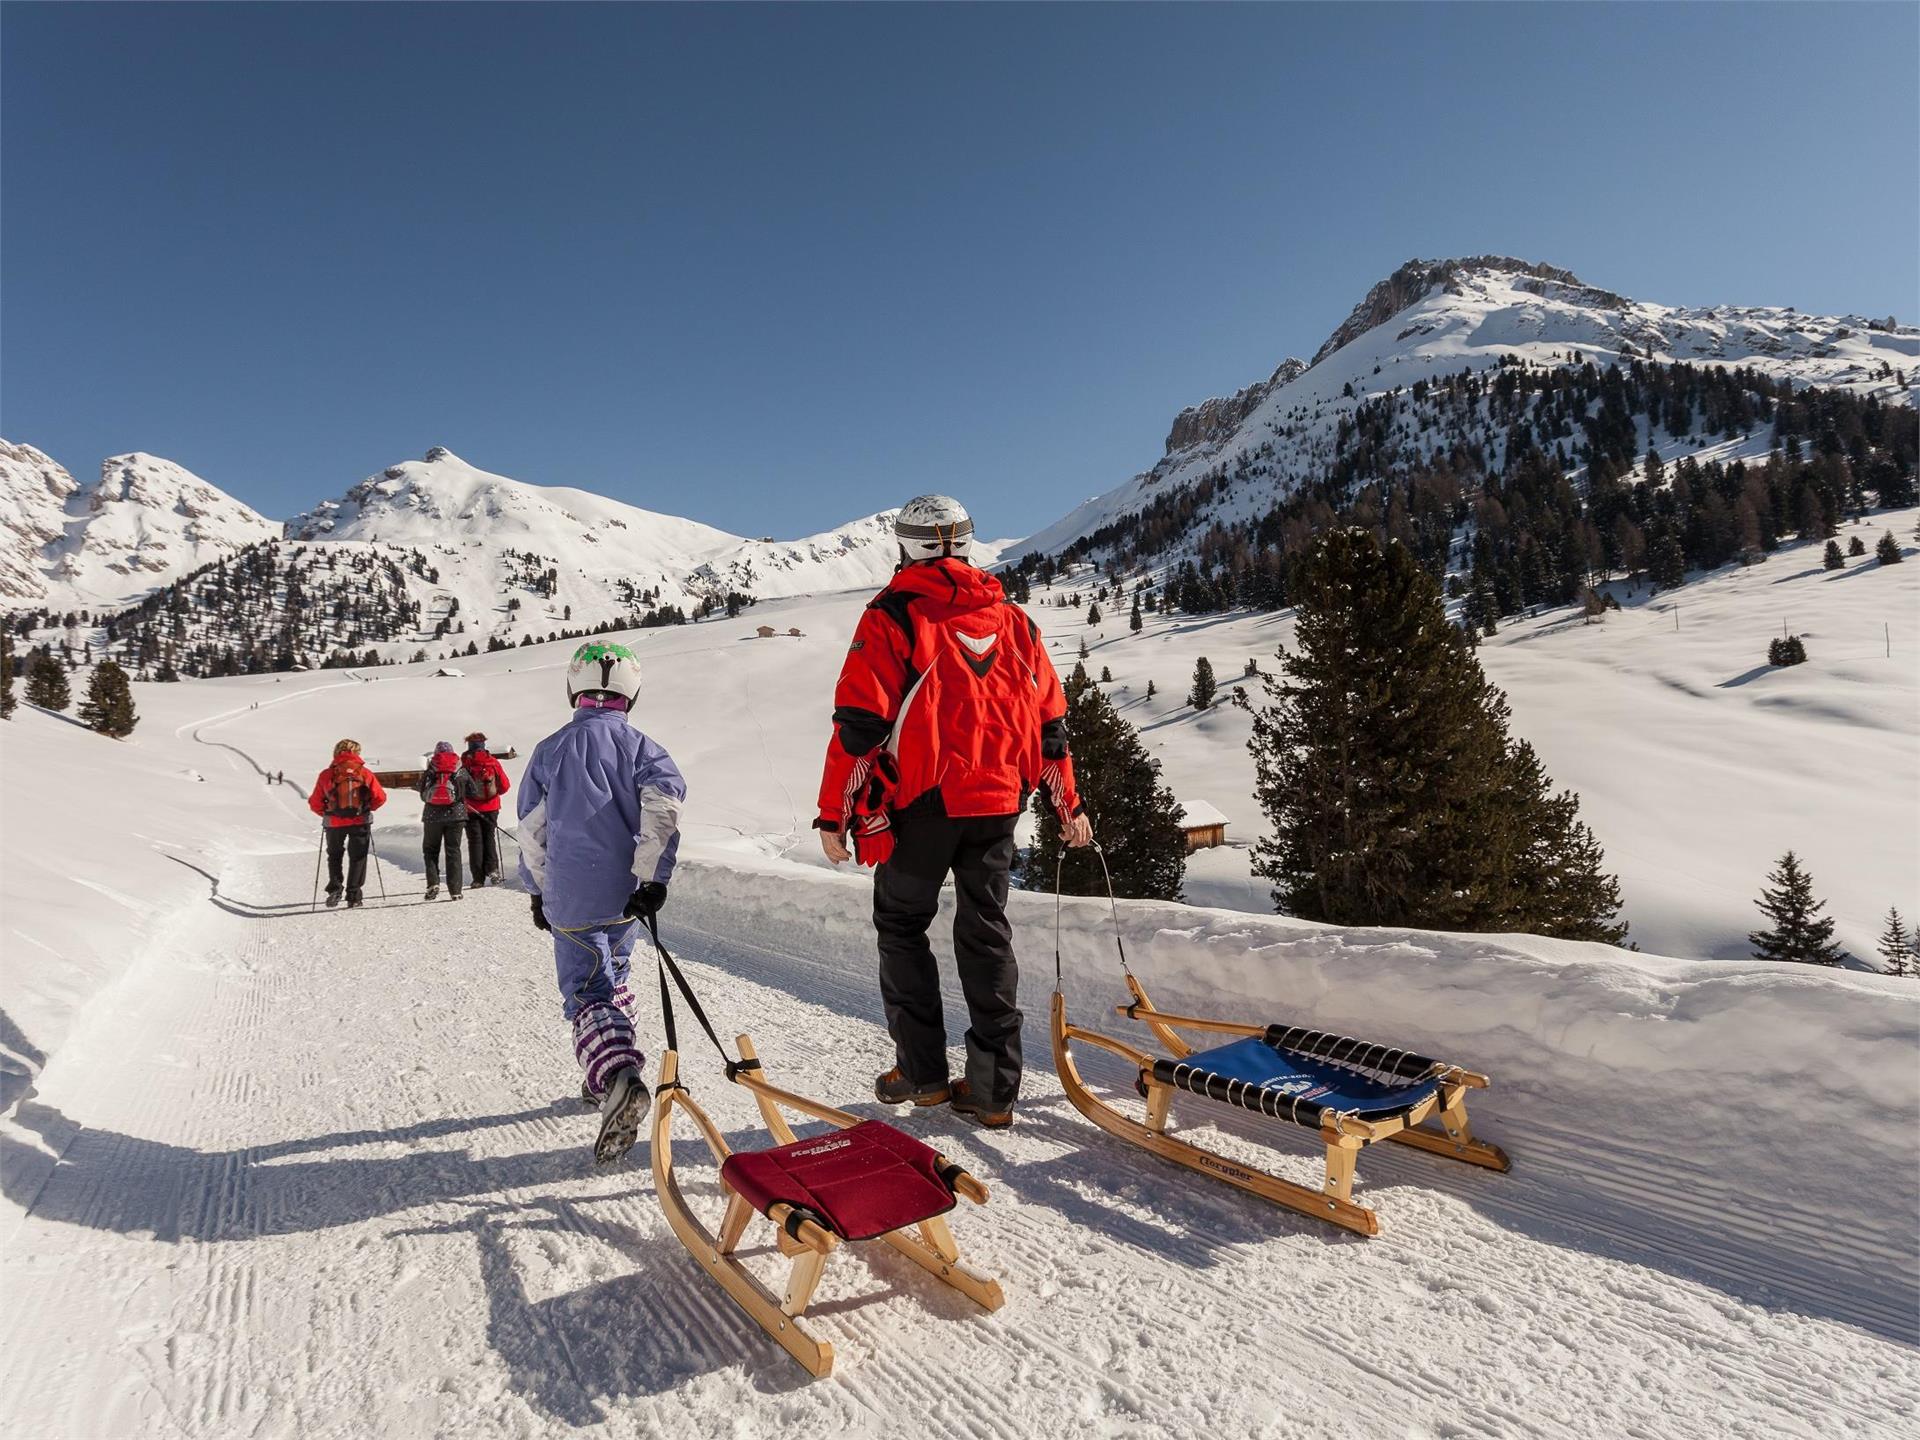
[
  {"x": 1134, "y": 622},
  {"x": 1093, "y": 613},
  {"x": 108, "y": 707},
  {"x": 1798, "y": 932},
  {"x": 1150, "y": 690},
  {"x": 1856, "y": 546},
  {"x": 1887, "y": 552},
  {"x": 1135, "y": 816},
  {"x": 7, "y": 701},
  {"x": 1897, "y": 945},
  {"x": 1385, "y": 771},
  {"x": 1832, "y": 559},
  {"x": 1205, "y": 687},
  {"x": 47, "y": 683}
]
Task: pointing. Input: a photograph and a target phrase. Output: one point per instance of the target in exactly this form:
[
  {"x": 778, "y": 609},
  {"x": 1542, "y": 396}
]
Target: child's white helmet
[
  {"x": 598, "y": 668},
  {"x": 930, "y": 527}
]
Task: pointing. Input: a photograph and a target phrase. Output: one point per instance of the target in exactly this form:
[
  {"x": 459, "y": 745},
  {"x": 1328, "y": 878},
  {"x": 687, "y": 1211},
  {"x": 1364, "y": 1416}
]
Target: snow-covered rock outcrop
[{"x": 1435, "y": 318}]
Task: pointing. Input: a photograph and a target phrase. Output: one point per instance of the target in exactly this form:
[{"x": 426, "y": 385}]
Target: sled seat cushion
[
  {"x": 859, "y": 1182},
  {"x": 1256, "y": 1074}
]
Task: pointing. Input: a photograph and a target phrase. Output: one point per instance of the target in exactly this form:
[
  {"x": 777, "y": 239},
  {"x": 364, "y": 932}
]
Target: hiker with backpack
[
  {"x": 345, "y": 797},
  {"x": 445, "y": 787},
  {"x": 947, "y": 716},
  {"x": 483, "y": 809},
  {"x": 599, "y": 830}
]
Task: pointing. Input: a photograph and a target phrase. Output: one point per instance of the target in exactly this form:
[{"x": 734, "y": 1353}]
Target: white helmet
[
  {"x": 598, "y": 668},
  {"x": 929, "y": 527}
]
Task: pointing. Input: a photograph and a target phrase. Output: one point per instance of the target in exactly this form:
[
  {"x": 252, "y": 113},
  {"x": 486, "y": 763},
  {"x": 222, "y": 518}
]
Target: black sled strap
[{"x": 668, "y": 965}]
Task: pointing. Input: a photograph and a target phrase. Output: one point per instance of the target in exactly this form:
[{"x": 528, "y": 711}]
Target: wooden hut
[{"x": 1203, "y": 825}]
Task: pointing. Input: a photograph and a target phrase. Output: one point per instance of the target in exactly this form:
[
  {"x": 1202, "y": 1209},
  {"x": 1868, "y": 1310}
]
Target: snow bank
[
  {"x": 1757, "y": 1110},
  {"x": 103, "y": 846}
]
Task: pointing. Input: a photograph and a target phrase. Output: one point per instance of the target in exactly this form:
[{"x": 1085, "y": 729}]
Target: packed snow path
[{"x": 327, "y": 1174}]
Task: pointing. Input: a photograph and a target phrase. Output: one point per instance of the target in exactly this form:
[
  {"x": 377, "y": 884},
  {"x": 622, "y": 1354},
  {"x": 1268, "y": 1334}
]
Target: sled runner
[
  {"x": 1348, "y": 1092},
  {"x": 861, "y": 1180}
]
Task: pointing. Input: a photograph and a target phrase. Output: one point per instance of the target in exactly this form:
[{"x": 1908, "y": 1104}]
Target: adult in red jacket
[
  {"x": 345, "y": 796},
  {"x": 947, "y": 716},
  {"x": 483, "y": 809}
]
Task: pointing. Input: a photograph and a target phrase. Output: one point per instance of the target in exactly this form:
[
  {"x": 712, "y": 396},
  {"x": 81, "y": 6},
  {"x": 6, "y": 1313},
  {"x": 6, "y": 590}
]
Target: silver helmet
[{"x": 930, "y": 527}]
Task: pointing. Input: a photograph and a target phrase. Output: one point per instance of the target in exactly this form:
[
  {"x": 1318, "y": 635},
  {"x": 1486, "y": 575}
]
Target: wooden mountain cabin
[
  {"x": 765, "y": 632},
  {"x": 1204, "y": 826}
]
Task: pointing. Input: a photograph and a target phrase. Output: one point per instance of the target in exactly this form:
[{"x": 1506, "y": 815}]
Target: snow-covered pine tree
[
  {"x": 1205, "y": 687},
  {"x": 47, "y": 683},
  {"x": 108, "y": 707},
  {"x": 1798, "y": 931},
  {"x": 1135, "y": 816},
  {"x": 1384, "y": 767},
  {"x": 1898, "y": 945}
]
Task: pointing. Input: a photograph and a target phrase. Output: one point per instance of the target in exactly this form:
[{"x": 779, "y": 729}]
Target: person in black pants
[
  {"x": 445, "y": 787},
  {"x": 345, "y": 797},
  {"x": 947, "y": 717}
]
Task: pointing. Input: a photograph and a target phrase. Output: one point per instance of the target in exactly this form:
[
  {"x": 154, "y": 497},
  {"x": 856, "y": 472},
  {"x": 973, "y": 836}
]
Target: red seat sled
[{"x": 859, "y": 1182}]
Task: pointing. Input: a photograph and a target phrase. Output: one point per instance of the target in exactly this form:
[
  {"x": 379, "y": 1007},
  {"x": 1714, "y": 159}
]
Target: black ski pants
[
  {"x": 352, "y": 841},
  {"x": 483, "y": 843},
  {"x": 445, "y": 834},
  {"x": 978, "y": 853}
]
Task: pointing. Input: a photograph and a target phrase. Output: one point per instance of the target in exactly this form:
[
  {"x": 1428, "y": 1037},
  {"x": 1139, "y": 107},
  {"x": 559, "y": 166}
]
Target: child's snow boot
[{"x": 621, "y": 1115}]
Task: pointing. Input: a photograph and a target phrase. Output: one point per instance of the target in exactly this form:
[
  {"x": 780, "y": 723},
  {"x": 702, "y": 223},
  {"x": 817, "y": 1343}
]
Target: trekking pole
[
  {"x": 378, "y": 873},
  {"x": 318, "y": 851}
]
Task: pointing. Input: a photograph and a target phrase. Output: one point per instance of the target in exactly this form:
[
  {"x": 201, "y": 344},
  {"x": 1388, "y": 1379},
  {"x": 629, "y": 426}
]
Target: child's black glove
[
  {"x": 540, "y": 915},
  {"x": 645, "y": 902}
]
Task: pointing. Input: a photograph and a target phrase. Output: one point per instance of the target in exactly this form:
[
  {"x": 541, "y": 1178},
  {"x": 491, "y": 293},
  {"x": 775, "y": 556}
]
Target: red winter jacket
[
  {"x": 350, "y": 769},
  {"x": 480, "y": 764},
  {"x": 954, "y": 680}
]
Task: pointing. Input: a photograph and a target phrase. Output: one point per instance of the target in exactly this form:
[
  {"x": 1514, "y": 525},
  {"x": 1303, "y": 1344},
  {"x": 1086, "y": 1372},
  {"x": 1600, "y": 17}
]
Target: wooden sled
[
  {"x": 874, "y": 1183},
  {"x": 1350, "y": 1092}
]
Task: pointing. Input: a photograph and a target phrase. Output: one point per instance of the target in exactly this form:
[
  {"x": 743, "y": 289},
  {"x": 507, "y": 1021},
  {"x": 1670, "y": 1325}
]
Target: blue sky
[{"x": 776, "y": 268}]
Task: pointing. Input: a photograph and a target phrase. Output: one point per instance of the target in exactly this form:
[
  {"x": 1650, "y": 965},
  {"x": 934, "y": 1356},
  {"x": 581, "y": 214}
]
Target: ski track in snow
[{"x": 326, "y": 1174}]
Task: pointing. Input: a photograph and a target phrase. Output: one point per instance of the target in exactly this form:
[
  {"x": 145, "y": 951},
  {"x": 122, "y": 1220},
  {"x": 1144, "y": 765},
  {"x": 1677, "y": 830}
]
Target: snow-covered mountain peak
[
  {"x": 1434, "y": 319},
  {"x": 146, "y": 521}
]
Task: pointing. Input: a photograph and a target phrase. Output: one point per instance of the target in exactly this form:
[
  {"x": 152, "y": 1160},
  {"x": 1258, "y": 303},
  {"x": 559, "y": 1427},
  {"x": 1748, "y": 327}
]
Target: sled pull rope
[
  {"x": 667, "y": 964},
  {"x": 1113, "y": 906}
]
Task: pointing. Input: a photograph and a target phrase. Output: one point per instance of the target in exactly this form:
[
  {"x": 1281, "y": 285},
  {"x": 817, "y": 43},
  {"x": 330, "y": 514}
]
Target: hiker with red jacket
[
  {"x": 483, "y": 810},
  {"x": 445, "y": 787},
  {"x": 947, "y": 716},
  {"x": 345, "y": 796}
]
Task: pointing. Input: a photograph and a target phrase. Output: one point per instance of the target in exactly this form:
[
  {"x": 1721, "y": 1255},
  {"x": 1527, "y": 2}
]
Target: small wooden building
[
  {"x": 1204, "y": 826},
  {"x": 765, "y": 632}
]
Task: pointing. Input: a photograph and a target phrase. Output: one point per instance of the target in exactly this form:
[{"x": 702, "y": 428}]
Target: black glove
[
  {"x": 645, "y": 902},
  {"x": 540, "y": 915}
]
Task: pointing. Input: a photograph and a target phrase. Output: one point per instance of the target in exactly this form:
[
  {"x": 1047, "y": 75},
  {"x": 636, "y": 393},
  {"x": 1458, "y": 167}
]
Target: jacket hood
[
  {"x": 347, "y": 760},
  {"x": 950, "y": 582},
  {"x": 445, "y": 761}
]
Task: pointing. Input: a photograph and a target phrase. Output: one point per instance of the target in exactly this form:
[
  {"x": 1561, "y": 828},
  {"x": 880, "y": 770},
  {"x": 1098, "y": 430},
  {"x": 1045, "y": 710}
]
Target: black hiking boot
[
  {"x": 433, "y": 893},
  {"x": 965, "y": 1104},
  {"x": 621, "y": 1115},
  {"x": 455, "y": 895},
  {"x": 333, "y": 898},
  {"x": 354, "y": 902},
  {"x": 895, "y": 1089}
]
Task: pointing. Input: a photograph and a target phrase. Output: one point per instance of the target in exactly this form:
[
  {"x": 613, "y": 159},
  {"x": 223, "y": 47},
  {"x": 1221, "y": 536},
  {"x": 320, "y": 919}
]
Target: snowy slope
[
  {"x": 145, "y": 522},
  {"x": 323, "y": 1174},
  {"x": 1437, "y": 318}
]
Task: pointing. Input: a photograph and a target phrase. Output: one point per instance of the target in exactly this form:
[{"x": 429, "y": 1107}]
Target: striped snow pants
[{"x": 591, "y": 963}]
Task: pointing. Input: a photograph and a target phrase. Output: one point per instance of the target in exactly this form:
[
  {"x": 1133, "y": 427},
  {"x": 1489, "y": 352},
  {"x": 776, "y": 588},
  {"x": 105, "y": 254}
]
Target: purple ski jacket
[{"x": 599, "y": 817}]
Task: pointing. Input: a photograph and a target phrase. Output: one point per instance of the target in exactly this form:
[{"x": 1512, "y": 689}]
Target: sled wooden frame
[
  {"x": 929, "y": 1244},
  {"x": 1344, "y": 1135}
]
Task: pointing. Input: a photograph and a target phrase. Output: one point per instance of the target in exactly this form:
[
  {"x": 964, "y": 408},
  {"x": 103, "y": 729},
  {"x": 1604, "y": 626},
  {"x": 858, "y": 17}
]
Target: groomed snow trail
[{"x": 327, "y": 1175}]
